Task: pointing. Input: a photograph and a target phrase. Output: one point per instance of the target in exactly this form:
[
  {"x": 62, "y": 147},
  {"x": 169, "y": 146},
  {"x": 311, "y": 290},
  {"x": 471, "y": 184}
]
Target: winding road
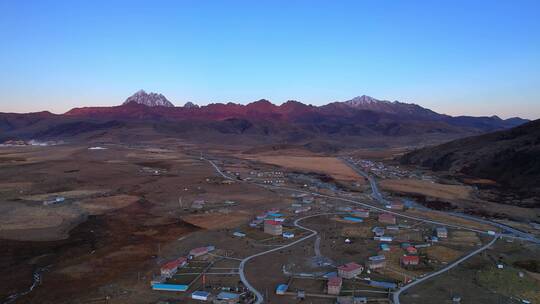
[
  {"x": 377, "y": 196},
  {"x": 397, "y": 293},
  {"x": 260, "y": 297}
]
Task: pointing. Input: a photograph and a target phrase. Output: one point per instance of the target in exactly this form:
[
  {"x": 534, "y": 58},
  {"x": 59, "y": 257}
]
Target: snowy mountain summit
[{"x": 149, "y": 99}]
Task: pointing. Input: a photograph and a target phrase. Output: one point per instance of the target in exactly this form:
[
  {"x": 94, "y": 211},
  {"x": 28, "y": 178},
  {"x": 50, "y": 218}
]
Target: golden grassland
[
  {"x": 218, "y": 220},
  {"x": 427, "y": 188},
  {"x": 321, "y": 164}
]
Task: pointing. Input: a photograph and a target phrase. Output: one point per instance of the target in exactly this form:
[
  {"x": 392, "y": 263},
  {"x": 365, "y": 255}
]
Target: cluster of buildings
[
  {"x": 170, "y": 268},
  {"x": 268, "y": 177},
  {"x": 380, "y": 170},
  {"x": 32, "y": 142},
  {"x": 272, "y": 223},
  {"x": 396, "y": 205},
  {"x": 222, "y": 297}
]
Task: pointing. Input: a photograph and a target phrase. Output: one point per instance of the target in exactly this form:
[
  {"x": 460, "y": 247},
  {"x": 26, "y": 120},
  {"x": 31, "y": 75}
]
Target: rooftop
[
  {"x": 335, "y": 281},
  {"x": 352, "y": 266}
]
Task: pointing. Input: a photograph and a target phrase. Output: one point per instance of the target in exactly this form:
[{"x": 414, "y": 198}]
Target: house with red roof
[
  {"x": 196, "y": 252},
  {"x": 273, "y": 227},
  {"x": 350, "y": 270},
  {"x": 170, "y": 268},
  {"x": 387, "y": 218},
  {"x": 407, "y": 260},
  {"x": 397, "y": 205},
  {"x": 334, "y": 285},
  {"x": 411, "y": 250}
]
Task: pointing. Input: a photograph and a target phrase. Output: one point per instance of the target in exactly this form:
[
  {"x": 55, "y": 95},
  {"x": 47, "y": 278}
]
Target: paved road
[
  {"x": 515, "y": 232},
  {"x": 260, "y": 297},
  {"x": 377, "y": 195},
  {"x": 397, "y": 293}
]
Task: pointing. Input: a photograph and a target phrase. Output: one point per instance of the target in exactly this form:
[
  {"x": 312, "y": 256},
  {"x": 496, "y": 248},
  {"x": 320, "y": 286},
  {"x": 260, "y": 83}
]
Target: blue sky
[{"x": 455, "y": 57}]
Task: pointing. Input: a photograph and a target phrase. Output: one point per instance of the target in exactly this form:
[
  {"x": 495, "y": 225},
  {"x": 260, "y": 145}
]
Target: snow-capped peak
[
  {"x": 149, "y": 99},
  {"x": 364, "y": 99}
]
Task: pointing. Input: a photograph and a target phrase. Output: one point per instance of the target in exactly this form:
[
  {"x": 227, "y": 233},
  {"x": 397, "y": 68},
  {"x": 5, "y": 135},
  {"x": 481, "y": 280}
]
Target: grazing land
[
  {"x": 105, "y": 220},
  {"x": 427, "y": 188},
  {"x": 323, "y": 164}
]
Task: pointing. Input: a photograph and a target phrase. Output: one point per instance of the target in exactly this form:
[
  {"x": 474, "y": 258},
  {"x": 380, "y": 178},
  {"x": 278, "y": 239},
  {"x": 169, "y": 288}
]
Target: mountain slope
[{"x": 510, "y": 157}]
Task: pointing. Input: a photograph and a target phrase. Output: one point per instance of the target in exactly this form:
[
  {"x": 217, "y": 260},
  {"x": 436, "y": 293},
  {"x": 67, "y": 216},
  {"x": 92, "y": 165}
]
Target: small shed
[
  {"x": 282, "y": 289},
  {"x": 200, "y": 295}
]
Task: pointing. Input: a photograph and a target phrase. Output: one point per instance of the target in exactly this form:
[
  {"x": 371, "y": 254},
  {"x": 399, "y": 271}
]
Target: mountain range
[{"x": 361, "y": 120}]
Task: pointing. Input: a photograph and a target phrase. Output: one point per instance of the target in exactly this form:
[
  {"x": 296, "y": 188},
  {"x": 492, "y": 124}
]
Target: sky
[{"x": 454, "y": 57}]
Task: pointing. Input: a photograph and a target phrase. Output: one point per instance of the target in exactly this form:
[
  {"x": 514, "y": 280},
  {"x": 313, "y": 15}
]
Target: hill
[{"x": 510, "y": 157}]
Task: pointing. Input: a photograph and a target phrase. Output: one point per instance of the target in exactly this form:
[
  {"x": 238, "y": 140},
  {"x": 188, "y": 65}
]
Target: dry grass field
[
  {"x": 20, "y": 222},
  {"x": 463, "y": 238},
  {"x": 444, "y": 218},
  {"x": 321, "y": 164},
  {"x": 427, "y": 188},
  {"x": 218, "y": 220},
  {"x": 100, "y": 205},
  {"x": 442, "y": 254},
  {"x": 72, "y": 194}
]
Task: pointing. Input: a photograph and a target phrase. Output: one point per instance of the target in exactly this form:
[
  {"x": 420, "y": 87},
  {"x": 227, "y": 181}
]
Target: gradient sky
[{"x": 457, "y": 57}]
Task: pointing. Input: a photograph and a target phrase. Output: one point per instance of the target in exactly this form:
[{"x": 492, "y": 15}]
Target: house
[
  {"x": 227, "y": 298},
  {"x": 302, "y": 209},
  {"x": 334, "y": 285},
  {"x": 200, "y": 295},
  {"x": 392, "y": 227},
  {"x": 170, "y": 268},
  {"x": 282, "y": 289},
  {"x": 197, "y": 204},
  {"x": 351, "y": 300},
  {"x": 273, "y": 227},
  {"x": 307, "y": 200},
  {"x": 383, "y": 238},
  {"x": 441, "y": 232},
  {"x": 364, "y": 213},
  {"x": 239, "y": 234},
  {"x": 387, "y": 218},
  {"x": 407, "y": 260},
  {"x": 256, "y": 223},
  {"x": 169, "y": 287},
  {"x": 411, "y": 250},
  {"x": 379, "y": 231},
  {"x": 376, "y": 262},
  {"x": 288, "y": 235},
  {"x": 352, "y": 219},
  {"x": 344, "y": 208},
  {"x": 397, "y": 205},
  {"x": 53, "y": 200},
  {"x": 196, "y": 252},
  {"x": 350, "y": 270}
]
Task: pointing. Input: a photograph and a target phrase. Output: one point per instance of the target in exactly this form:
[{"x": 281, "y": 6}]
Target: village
[
  {"x": 243, "y": 228},
  {"x": 361, "y": 253}
]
